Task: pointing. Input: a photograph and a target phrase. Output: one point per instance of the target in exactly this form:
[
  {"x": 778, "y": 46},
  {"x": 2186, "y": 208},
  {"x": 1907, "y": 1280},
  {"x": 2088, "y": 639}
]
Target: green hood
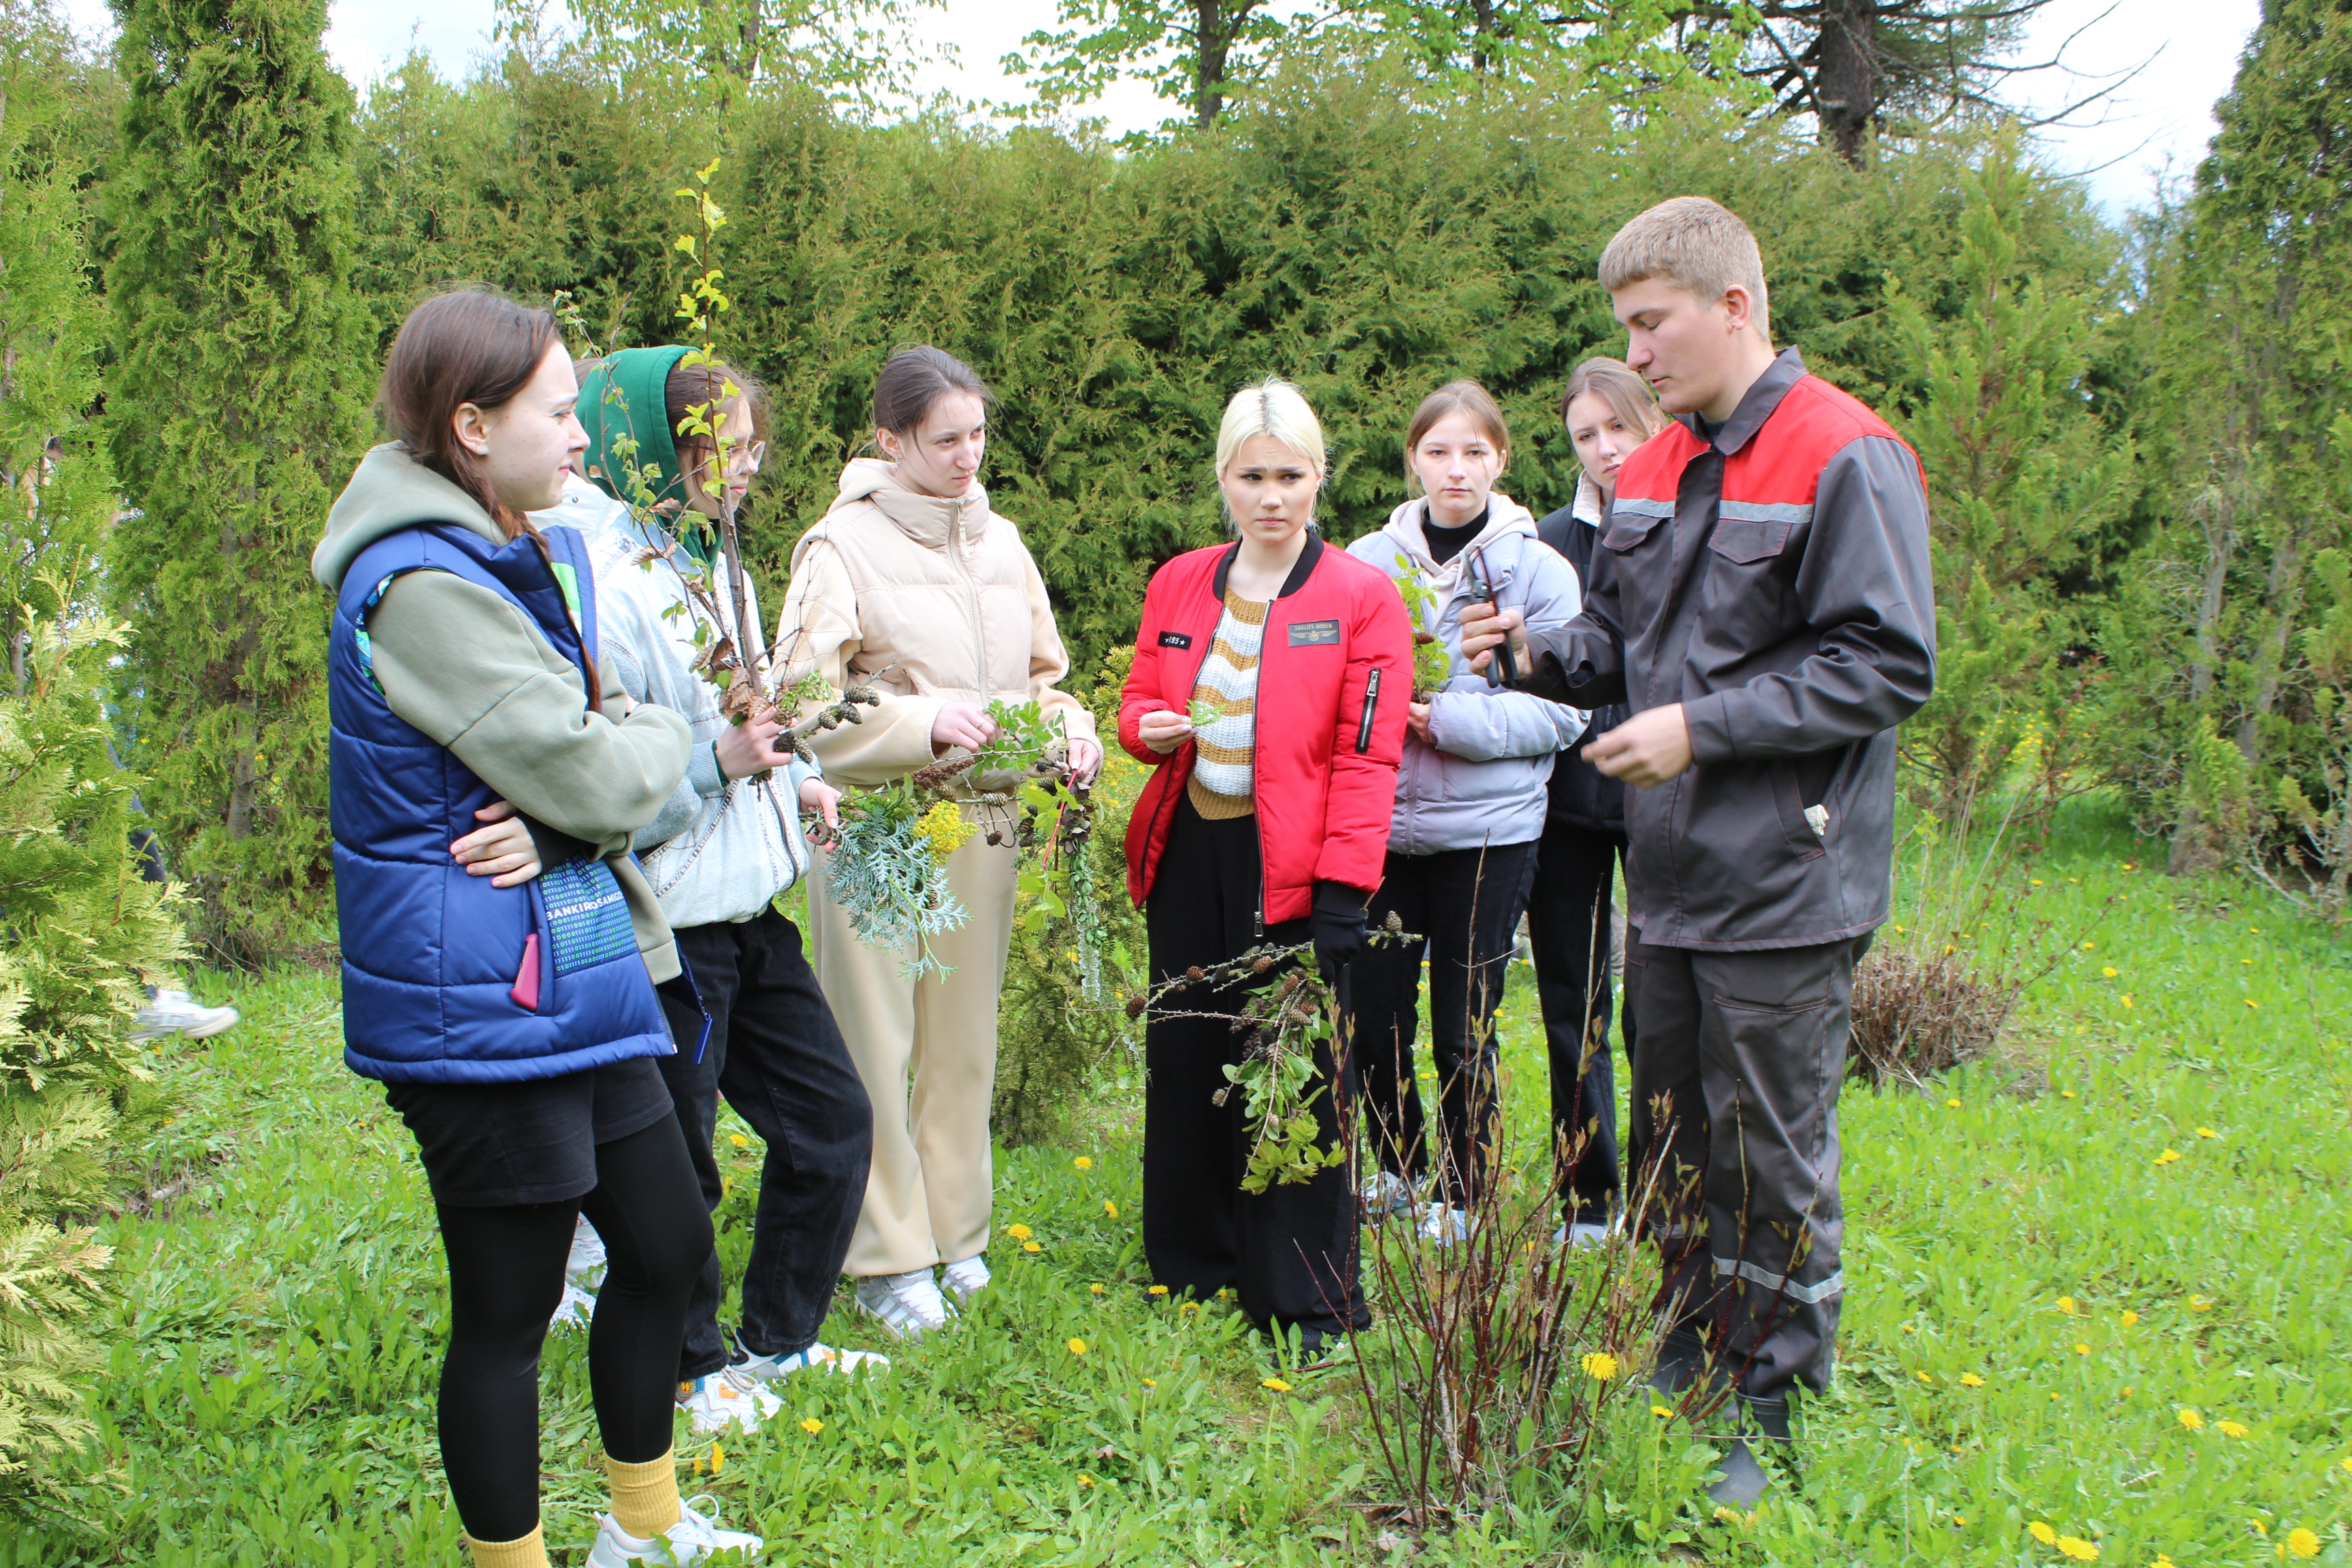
[
  {"x": 628, "y": 394},
  {"x": 389, "y": 491}
]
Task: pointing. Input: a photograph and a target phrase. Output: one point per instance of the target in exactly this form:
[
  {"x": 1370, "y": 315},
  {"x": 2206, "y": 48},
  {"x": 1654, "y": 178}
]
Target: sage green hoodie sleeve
[{"x": 468, "y": 669}]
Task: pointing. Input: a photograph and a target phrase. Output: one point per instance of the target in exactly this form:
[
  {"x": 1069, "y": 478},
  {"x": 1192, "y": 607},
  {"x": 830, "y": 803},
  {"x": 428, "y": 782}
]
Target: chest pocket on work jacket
[
  {"x": 1744, "y": 602},
  {"x": 1635, "y": 541}
]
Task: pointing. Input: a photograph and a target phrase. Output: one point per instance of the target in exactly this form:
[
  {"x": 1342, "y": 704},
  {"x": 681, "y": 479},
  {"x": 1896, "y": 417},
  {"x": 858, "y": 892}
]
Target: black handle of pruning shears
[{"x": 1503, "y": 669}]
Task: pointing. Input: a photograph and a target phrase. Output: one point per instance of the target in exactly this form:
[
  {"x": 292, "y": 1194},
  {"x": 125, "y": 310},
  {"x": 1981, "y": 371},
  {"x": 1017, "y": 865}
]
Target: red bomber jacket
[{"x": 1334, "y": 675}]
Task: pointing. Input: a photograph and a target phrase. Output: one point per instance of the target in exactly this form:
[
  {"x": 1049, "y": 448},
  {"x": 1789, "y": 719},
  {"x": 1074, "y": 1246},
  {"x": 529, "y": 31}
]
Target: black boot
[{"x": 1766, "y": 1423}]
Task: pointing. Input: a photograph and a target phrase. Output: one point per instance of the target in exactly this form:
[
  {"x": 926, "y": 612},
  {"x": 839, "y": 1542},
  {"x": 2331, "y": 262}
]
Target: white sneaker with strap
[
  {"x": 823, "y": 1357},
  {"x": 695, "y": 1538},
  {"x": 966, "y": 1277},
  {"x": 725, "y": 1398},
  {"x": 177, "y": 1013},
  {"x": 908, "y": 1304}
]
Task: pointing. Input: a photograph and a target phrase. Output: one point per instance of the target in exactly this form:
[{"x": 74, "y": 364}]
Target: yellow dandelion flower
[
  {"x": 1110, "y": 1209},
  {"x": 1078, "y": 1347},
  {"x": 1924, "y": 1378},
  {"x": 2111, "y": 972},
  {"x": 2260, "y": 1528},
  {"x": 2066, "y": 1094},
  {"x": 812, "y": 1426},
  {"x": 2042, "y": 1534},
  {"x": 2252, "y": 1002},
  {"x": 739, "y": 1140},
  {"x": 2066, "y": 1305},
  {"x": 1970, "y": 1380},
  {"x": 1276, "y": 1383},
  {"x": 1600, "y": 1364},
  {"x": 2189, "y": 1416},
  {"x": 2231, "y": 1428},
  {"x": 2128, "y": 1001},
  {"x": 2129, "y": 1318},
  {"x": 1019, "y": 1232},
  {"x": 2086, "y": 947},
  {"x": 1084, "y": 1480},
  {"x": 2163, "y": 1561},
  {"x": 1094, "y": 1289},
  {"x": 1031, "y": 1247},
  {"x": 1660, "y": 1410},
  {"x": 2081, "y": 1349},
  {"x": 1952, "y": 1105},
  {"x": 2080, "y": 1549},
  {"x": 1083, "y": 1162},
  {"x": 717, "y": 1458},
  {"x": 2199, "y": 1304},
  {"x": 2168, "y": 1157},
  {"x": 2037, "y": 881},
  {"x": 2302, "y": 1542},
  {"x": 1149, "y": 1382},
  {"x": 1157, "y": 1290},
  {"x": 1187, "y": 1309},
  {"x": 2347, "y": 1467},
  {"x": 2207, "y": 1132}
]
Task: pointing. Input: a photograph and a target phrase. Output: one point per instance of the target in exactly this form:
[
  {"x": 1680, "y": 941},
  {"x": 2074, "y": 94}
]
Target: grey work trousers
[{"x": 1735, "y": 1091}]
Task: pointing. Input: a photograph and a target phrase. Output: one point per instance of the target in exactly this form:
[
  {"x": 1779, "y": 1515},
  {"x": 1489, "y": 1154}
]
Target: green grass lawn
[{"x": 2098, "y": 1286}]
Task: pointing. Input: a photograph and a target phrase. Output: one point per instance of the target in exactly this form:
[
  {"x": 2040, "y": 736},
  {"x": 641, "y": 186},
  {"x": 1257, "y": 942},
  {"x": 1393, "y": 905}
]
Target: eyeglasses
[{"x": 744, "y": 459}]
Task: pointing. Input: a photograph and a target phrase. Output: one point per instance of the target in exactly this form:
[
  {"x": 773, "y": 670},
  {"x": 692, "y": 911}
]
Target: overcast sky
[{"x": 2165, "y": 114}]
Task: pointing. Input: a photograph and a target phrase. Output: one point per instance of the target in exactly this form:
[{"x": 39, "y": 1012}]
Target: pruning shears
[{"x": 1503, "y": 670}]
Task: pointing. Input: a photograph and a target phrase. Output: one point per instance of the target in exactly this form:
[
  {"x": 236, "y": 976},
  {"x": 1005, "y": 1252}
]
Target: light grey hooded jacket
[
  {"x": 1483, "y": 783},
  {"x": 720, "y": 849}
]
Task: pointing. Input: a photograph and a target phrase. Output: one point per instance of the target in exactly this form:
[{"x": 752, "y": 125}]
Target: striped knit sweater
[{"x": 1221, "y": 784}]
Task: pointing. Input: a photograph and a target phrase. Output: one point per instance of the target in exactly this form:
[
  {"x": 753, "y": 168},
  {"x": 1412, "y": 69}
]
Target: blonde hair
[
  {"x": 1273, "y": 407},
  {"x": 1470, "y": 400},
  {"x": 1615, "y": 384},
  {"x": 1692, "y": 243}
]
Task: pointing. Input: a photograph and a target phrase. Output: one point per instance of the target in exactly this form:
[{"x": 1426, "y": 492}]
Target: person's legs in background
[
  {"x": 1472, "y": 905},
  {"x": 1384, "y": 990},
  {"x": 1569, "y": 928}
]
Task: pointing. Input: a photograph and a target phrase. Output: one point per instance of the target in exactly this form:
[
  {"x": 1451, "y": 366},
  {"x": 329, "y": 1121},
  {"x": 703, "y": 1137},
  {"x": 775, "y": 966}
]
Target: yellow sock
[
  {"x": 528, "y": 1552},
  {"x": 645, "y": 1497}
]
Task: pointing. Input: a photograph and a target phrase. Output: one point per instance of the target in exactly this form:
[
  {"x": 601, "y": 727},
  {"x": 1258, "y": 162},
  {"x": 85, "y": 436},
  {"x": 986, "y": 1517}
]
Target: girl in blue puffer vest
[{"x": 500, "y": 950}]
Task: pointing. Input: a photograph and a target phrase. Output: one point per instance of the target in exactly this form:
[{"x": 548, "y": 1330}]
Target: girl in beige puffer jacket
[{"x": 911, "y": 585}]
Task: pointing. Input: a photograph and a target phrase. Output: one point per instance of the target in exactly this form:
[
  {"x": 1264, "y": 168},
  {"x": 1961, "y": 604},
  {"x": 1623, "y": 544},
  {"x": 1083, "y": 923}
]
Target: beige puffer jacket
[{"x": 932, "y": 601}]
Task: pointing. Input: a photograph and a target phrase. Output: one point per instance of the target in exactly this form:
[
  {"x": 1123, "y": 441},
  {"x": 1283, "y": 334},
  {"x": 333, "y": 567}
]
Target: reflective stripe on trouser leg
[{"x": 1772, "y": 1041}]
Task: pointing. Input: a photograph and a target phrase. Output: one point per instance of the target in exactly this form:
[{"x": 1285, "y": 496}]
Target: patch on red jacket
[
  {"x": 1174, "y": 639},
  {"x": 1314, "y": 634}
]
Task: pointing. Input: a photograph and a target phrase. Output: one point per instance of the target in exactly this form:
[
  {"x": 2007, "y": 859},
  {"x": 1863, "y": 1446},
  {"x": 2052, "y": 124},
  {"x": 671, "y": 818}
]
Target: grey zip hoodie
[
  {"x": 1481, "y": 784},
  {"x": 473, "y": 673}
]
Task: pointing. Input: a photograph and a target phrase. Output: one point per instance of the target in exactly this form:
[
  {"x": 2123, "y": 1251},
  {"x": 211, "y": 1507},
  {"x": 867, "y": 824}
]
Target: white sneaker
[
  {"x": 1446, "y": 1227},
  {"x": 823, "y": 1357},
  {"x": 1386, "y": 1194},
  {"x": 908, "y": 1304},
  {"x": 586, "y": 1263},
  {"x": 966, "y": 1278},
  {"x": 574, "y": 1310},
  {"x": 176, "y": 1012},
  {"x": 1581, "y": 1234},
  {"x": 727, "y": 1398},
  {"x": 695, "y": 1538}
]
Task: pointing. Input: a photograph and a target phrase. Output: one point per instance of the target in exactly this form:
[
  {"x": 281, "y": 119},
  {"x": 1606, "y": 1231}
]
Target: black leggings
[{"x": 506, "y": 1276}]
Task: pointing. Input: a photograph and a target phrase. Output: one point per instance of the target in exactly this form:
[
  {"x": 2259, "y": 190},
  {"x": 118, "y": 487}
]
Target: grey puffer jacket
[{"x": 1483, "y": 782}]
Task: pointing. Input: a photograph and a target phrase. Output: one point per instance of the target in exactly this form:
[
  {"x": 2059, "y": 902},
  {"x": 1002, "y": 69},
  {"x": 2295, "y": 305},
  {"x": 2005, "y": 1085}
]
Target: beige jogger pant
[{"x": 926, "y": 1194}]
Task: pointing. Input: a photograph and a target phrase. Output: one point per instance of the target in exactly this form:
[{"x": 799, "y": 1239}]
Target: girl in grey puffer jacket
[{"x": 1470, "y": 807}]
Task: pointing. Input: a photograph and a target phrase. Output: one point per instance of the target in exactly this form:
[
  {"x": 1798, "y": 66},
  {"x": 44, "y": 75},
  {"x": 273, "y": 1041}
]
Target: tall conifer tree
[{"x": 236, "y": 407}]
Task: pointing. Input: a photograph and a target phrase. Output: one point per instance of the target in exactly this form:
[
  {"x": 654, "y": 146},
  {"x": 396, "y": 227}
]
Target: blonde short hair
[
  {"x": 1273, "y": 407},
  {"x": 1695, "y": 244}
]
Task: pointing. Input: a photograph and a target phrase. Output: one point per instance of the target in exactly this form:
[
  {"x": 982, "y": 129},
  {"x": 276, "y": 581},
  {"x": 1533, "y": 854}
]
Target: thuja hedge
[{"x": 1369, "y": 242}]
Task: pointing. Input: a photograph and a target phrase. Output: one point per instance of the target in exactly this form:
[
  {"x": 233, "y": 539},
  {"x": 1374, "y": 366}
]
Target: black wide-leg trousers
[
  {"x": 1568, "y": 927},
  {"x": 1289, "y": 1252}
]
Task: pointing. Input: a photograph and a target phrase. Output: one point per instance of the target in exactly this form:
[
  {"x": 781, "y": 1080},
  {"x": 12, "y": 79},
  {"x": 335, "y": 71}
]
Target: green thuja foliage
[
  {"x": 78, "y": 926},
  {"x": 235, "y": 405},
  {"x": 2023, "y": 477},
  {"x": 2249, "y": 334}
]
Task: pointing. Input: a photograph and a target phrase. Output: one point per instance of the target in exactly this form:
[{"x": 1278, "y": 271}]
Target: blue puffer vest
[{"x": 445, "y": 978}]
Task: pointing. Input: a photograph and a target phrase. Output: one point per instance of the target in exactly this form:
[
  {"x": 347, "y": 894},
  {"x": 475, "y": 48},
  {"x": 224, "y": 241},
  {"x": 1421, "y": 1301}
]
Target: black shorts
[{"x": 489, "y": 1145}]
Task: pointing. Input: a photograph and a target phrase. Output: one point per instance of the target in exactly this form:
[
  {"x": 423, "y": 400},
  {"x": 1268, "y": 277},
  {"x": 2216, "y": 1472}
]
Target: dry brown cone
[{"x": 937, "y": 774}]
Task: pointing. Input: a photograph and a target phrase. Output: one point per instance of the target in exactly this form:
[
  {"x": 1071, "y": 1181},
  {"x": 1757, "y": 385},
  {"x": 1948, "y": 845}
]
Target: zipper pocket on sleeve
[{"x": 1371, "y": 706}]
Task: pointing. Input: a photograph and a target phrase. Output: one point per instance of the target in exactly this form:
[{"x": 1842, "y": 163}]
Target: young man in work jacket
[{"x": 1762, "y": 601}]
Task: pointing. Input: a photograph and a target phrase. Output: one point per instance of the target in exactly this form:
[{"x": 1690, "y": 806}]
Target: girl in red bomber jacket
[{"x": 1267, "y": 823}]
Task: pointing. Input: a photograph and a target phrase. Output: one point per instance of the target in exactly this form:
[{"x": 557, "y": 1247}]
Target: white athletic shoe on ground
[
  {"x": 177, "y": 1013},
  {"x": 574, "y": 1310},
  {"x": 966, "y": 1278},
  {"x": 727, "y": 1398},
  {"x": 695, "y": 1538},
  {"x": 1384, "y": 1195},
  {"x": 823, "y": 1357},
  {"x": 586, "y": 1263},
  {"x": 908, "y": 1304},
  {"x": 1582, "y": 1233},
  {"x": 1446, "y": 1227}
]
